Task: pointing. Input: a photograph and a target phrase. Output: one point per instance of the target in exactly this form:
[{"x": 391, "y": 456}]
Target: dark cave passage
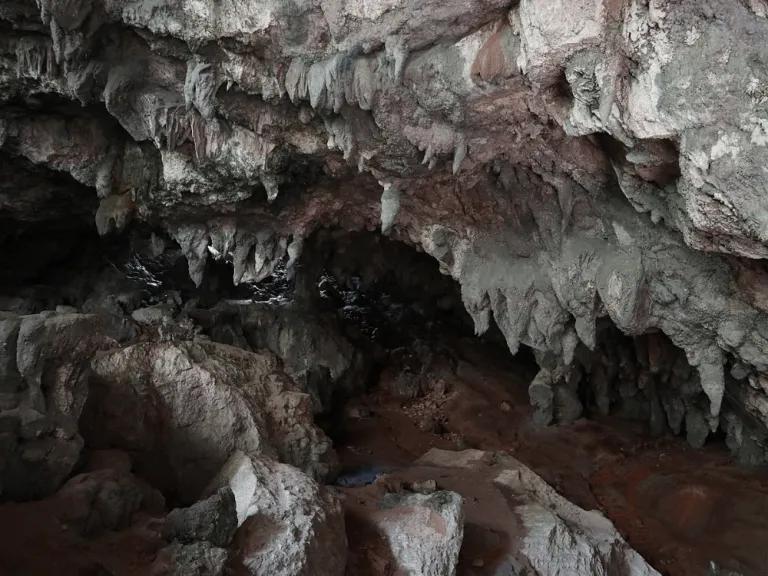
[{"x": 388, "y": 302}]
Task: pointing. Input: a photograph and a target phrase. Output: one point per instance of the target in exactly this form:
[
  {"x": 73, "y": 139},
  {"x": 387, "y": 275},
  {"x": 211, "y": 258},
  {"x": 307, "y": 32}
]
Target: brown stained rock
[
  {"x": 407, "y": 533},
  {"x": 497, "y": 58},
  {"x": 424, "y": 487}
]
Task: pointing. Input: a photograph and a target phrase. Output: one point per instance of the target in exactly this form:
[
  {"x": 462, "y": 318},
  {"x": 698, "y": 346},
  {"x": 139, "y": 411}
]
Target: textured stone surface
[
  {"x": 310, "y": 344},
  {"x": 44, "y": 369},
  {"x": 183, "y": 408},
  {"x": 213, "y": 520},
  {"x": 288, "y": 524},
  {"x": 107, "y": 499},
  {"x": 607, "y": 164},
  {"x": 424, "y": 531},
  {"x": 550, "y": 535},
  {"x": 196, "y": 559}
]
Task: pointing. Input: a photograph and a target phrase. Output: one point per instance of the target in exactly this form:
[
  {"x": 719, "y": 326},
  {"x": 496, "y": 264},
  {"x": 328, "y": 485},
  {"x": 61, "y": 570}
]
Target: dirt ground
[
  {"x": 34, "y": 543},
  {"x": 679, "y": 507}
]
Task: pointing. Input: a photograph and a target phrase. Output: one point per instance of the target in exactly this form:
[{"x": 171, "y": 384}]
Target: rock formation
[
  {"x": 185, "y": 408},
  {"x": 424, "y": 531},
  {"x": 561, "y": 170},
  {"x": 589, "y": 173},
  {"x": 558, "y": 537},
  {"x": 288, "y": 524}
]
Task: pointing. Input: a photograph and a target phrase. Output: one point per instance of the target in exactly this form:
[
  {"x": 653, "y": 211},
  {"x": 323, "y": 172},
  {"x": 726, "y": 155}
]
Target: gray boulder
[
  {"x": 105, "y": 500},
  {"x": 424, "y": 531},
  {"x": 44, "y": 370},
  {"x": 196, "y": 559},
  {"x": 213, "y": 520},
  {"x": 288, "y": 524},
  {"x": 183, "y": 408}
]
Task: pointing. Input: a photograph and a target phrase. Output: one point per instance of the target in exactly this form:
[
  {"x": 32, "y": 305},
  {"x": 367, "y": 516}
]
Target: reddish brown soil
[
  {"x": 35, "y": 543},
  {"x": 679, "y": 507}
]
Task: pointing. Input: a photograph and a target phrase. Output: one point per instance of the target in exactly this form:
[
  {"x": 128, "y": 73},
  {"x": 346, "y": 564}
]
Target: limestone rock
[
  {"x": 560, "y": 169},
  {"x": 10, "y": 379},
  {"x": 153, "y": 316},
  {"x": 196, "y": 559},
  {"x": 182, "y": 408},
  {"x": 288, "y": 524},
  {"x": 555, "y": 536},
  {"x": 44, "y": 368},
  {"x": 424, "y": 531},
  {"x": 105, "y": 500},
  {"x": 38, "y": 452},
  {"x": 305, "y": 340},
  {"x": 213, "y": 520},
  {"x": 52, "y": 355}
]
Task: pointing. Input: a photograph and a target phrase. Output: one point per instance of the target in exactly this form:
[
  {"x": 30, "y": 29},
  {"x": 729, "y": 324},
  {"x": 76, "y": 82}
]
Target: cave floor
[{"x": 679, "y": 507}]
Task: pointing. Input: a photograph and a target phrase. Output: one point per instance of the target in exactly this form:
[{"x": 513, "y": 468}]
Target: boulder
[
  {"x": 37, "y": 453},
  {"x": 183, "y": 408},
  {"x": 288, "y": 524},
  {"x": 10, "y": 379},
  {"x": 550, "y": 536},
  {"x": 213, "y": 520},
  {"x": 424, "y": 531},
  {"x": 106, "y": 499},
  {"x": 52, "y": 355},
  {"x": 311, "y": 344},
  {"x": 196, "y": 559},
  {"x": 44, "y": 367}
]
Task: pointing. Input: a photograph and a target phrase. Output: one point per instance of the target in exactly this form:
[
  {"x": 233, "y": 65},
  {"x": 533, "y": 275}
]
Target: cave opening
[{"x": 396, "y": 316}]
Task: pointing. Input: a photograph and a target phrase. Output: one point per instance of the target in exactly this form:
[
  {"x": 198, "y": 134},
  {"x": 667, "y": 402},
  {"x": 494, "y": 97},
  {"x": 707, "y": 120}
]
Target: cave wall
[{"x": 563, "y": 161}]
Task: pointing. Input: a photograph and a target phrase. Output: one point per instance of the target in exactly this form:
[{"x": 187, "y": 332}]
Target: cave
[{"x": 371, "y": 289}]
